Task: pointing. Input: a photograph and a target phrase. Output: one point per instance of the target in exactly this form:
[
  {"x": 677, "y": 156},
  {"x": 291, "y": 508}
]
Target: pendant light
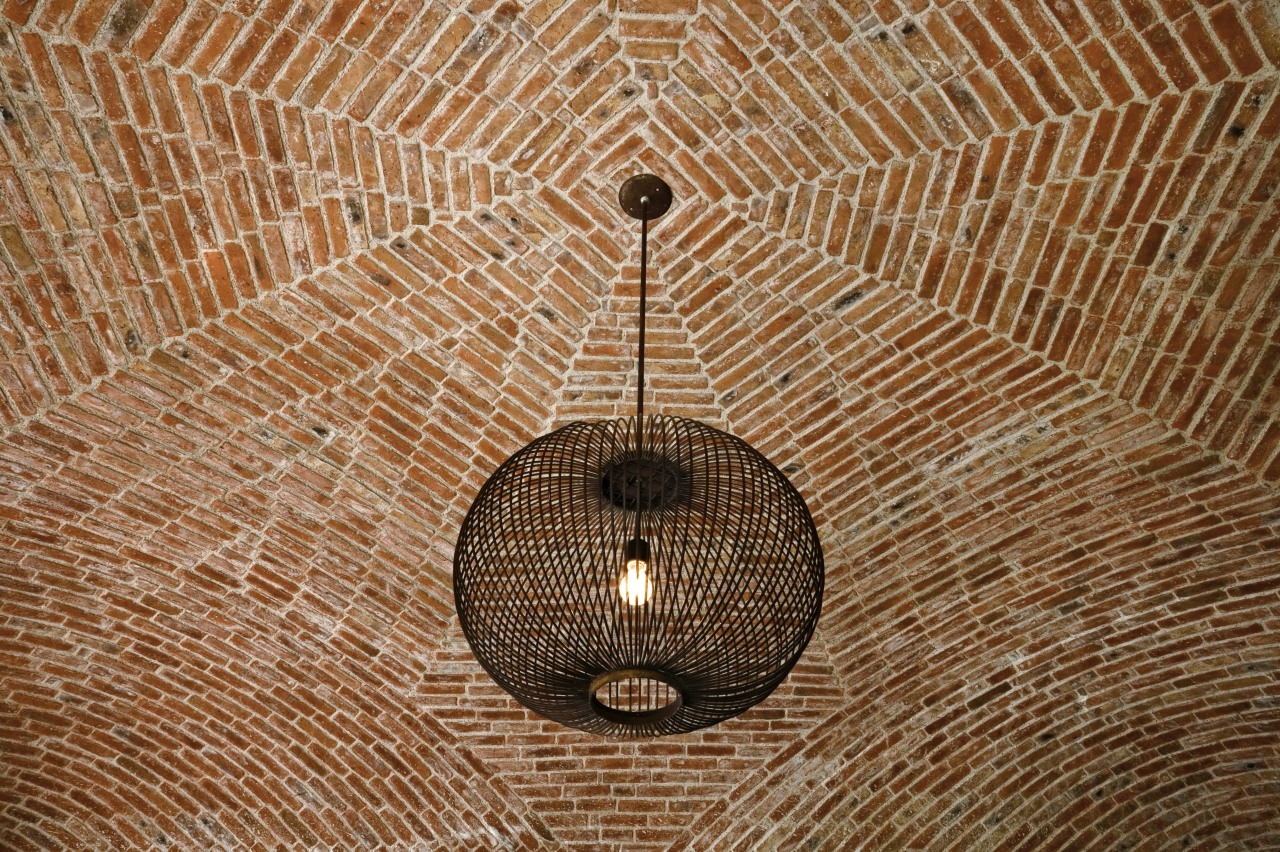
[{"x": 638, "y": 576}]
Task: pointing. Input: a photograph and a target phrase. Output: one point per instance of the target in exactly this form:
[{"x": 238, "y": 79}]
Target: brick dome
[{"x": 996, "y": 284}]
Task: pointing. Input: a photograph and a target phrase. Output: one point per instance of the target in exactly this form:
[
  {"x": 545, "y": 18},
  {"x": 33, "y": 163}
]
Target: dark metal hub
[{"x": 641, "y": 484}]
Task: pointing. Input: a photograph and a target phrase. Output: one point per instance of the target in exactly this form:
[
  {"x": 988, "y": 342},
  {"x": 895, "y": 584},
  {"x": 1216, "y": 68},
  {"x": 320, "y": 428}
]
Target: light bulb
[{"x": 635, "y": 586}]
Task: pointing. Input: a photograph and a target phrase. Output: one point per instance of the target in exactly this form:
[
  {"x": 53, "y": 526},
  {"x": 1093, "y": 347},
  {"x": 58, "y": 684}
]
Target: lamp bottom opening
[{"x": 636, "y": 696}]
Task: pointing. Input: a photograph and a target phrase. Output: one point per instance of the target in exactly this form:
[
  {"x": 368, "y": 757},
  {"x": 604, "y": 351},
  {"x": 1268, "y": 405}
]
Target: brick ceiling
[{"x": 996, "y": 283}]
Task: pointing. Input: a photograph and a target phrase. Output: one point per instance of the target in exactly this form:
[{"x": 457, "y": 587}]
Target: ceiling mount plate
[{"x": 637, "y": 188}]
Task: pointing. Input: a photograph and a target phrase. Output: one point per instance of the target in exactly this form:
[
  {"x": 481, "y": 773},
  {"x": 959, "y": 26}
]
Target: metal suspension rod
[
  {"x": 643, "y": 197},
  {"x": 644, "y": 283}
]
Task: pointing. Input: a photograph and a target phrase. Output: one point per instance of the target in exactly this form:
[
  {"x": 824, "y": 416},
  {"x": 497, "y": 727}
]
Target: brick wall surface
[{"x": 996, "y": 283}]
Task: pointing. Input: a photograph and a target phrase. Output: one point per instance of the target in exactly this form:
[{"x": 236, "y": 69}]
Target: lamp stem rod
[{"x": 644, "y": 281}]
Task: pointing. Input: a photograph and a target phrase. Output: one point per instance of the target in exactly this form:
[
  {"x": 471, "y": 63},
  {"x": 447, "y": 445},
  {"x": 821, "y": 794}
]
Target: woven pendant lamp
[{"x": 639, "y": 576}]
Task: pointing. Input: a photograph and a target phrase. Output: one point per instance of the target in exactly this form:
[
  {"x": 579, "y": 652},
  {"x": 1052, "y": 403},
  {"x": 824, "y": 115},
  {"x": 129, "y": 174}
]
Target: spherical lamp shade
[{"x": 648, "y": 584}]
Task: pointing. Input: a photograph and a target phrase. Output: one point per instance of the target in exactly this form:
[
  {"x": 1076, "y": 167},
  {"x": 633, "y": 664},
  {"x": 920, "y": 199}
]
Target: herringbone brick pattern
[{"x": 997, "y": 284}]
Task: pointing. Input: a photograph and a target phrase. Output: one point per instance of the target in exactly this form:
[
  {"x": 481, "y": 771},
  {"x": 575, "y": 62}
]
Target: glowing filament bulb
[{"x": 635, "y": 587}]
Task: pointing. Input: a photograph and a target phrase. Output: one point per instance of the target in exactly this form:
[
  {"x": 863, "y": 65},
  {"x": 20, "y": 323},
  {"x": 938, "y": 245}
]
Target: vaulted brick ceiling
[{"x": 996, "y": 283}]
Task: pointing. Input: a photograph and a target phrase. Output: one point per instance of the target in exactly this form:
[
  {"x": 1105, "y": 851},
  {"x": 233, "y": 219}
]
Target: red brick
[
  {"x": 1135, "y": 56},
  {"x": 1192, "y": 33},
  {"x": 1231, "y": 33}
]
